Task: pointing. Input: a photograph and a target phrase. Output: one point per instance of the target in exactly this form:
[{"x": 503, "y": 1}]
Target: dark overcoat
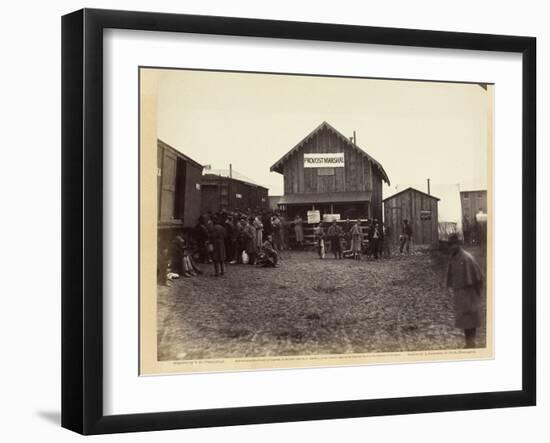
[
  {"x": 464, "y": 277},
  {"x": 217, "y": 238},
  {"x": 249, "y": 232}
]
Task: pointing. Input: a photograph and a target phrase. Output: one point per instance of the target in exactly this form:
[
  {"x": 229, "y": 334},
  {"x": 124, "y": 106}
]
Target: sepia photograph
[{"x": 295, "y": 221}]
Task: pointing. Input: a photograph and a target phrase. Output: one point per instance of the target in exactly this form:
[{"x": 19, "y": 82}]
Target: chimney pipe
[
  {"x": 354, "y": 138},
  {"x": 230, "y": 170},
  {"x": 429, "y": 187}
]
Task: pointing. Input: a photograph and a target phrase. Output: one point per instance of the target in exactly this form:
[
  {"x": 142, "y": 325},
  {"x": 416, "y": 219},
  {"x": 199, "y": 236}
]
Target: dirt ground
[{"x": 310, "y": 306}]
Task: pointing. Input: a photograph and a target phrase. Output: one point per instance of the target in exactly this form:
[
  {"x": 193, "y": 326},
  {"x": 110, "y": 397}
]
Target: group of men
[
  {"x": 235, "y": 238},
  {"x": 348, "y": 239}
]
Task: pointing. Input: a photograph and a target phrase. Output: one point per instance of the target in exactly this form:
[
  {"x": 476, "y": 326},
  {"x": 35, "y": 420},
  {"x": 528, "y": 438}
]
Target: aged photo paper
[{"x": 299, "y": 221}]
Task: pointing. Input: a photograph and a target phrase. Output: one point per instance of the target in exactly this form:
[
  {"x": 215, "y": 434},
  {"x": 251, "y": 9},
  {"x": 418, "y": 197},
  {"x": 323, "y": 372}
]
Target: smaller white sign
[
  {"x": 313, "y": 216},
  {"x": 329, "y": 218}
]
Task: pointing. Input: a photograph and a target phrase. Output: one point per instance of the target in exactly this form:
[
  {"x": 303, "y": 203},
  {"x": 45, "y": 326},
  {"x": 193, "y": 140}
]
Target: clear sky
[{"x": 417, "y": 130}]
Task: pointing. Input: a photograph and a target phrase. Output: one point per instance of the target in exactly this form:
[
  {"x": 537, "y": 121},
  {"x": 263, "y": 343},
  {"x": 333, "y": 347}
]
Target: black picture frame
[{"x": 82, "y": 218}]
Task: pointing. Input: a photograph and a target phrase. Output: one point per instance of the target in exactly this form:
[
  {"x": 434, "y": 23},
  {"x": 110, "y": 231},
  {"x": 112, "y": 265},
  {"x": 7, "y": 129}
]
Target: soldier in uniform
[{"x": 465, "y": 283}]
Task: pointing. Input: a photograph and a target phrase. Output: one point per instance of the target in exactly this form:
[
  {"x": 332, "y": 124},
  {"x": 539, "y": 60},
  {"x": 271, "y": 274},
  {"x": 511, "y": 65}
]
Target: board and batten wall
[
  {"x": 358, "y": 174},
  {"x": 408, "y": 206}
]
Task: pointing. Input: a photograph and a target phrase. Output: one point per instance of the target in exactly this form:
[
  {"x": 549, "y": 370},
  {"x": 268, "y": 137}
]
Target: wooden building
[
  {"x": 221, "y": 192},
  {"x": 327, "y": 171},
  {"x": 178, "y": 188},
  {"x": 420, "y": 209},
  {"x": 471, "y": 202}
]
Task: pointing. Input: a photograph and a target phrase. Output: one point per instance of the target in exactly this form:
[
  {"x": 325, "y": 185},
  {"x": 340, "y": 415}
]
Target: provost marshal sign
[{"x": 324, "y": 160}]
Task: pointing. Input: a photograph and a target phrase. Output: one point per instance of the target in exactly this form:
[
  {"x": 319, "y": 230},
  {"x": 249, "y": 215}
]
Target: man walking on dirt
[{"x": 465, "y": 282}]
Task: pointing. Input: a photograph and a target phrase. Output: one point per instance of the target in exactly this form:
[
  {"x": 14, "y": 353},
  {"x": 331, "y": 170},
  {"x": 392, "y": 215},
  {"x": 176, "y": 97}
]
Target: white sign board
[
  {"x": 329, "y": 218},
  {"x": 313, "y": 216},
  {"x": 324, "y": 160}
]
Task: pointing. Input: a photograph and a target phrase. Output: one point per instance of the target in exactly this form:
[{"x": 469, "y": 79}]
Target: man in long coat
[
  {"x": 299, "y": 231},
  {"x": 356, "y": 236},
  {"x": 465, "y": 283},
  {"x": 217, "y": 238},
  {"x": 251, "y": 248},
  {"x": 259, "y": 226},
  {"x": 335, "y": 234}
]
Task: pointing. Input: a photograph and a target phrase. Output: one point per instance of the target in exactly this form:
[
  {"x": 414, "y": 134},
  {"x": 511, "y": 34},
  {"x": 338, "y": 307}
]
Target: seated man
[
  {"x": 184, "y": 263},
  {"x": 270, "y": 257}
]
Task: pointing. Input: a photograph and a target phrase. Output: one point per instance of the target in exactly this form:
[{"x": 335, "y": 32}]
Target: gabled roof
[
  {"x": 230, "y": 174},
  {"x": 278, "y": 165},
  {"x": 469, "y": 191},
  {"x": 410, "y": 189},
  {"x": 179, "y": 153},
  {"x": 215, "y": 177}
]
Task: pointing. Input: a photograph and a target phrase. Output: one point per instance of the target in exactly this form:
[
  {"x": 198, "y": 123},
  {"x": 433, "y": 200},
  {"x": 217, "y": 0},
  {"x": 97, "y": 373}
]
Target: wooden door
[{"x": 168, "y": 186}]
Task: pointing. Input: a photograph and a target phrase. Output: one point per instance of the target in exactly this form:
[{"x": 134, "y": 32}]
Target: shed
[
  {"x": 327, "y": 171},
  {"x": 472, "y": 202},
  {"x": 220, "y": 192},
  {"x": 420, "y": 209}
]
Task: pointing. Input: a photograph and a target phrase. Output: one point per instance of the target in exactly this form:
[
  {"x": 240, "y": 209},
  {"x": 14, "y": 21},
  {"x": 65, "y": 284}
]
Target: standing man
[
  {"x": 376, "y": 240},
  {"x": 259, "y": 226},
  {"x": 348, "y": 226},
  {"x": 299, "y": 231},
  {"x": 251, "y": 241},
  {"x": 356, "y": 240},
  {"x": 320, "y": 240},
  {"x": 283, "y": 232},
  {"x": 405, "y": 237},
  {"x": 217, "y": 237},
  {"x": 201, "y": 237},
  {"x": 334, "y": 234},
  {"x": 465, "y": 282},
  {"x": 276, "y": 226},
  {"x": 229, "y": 238}
]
